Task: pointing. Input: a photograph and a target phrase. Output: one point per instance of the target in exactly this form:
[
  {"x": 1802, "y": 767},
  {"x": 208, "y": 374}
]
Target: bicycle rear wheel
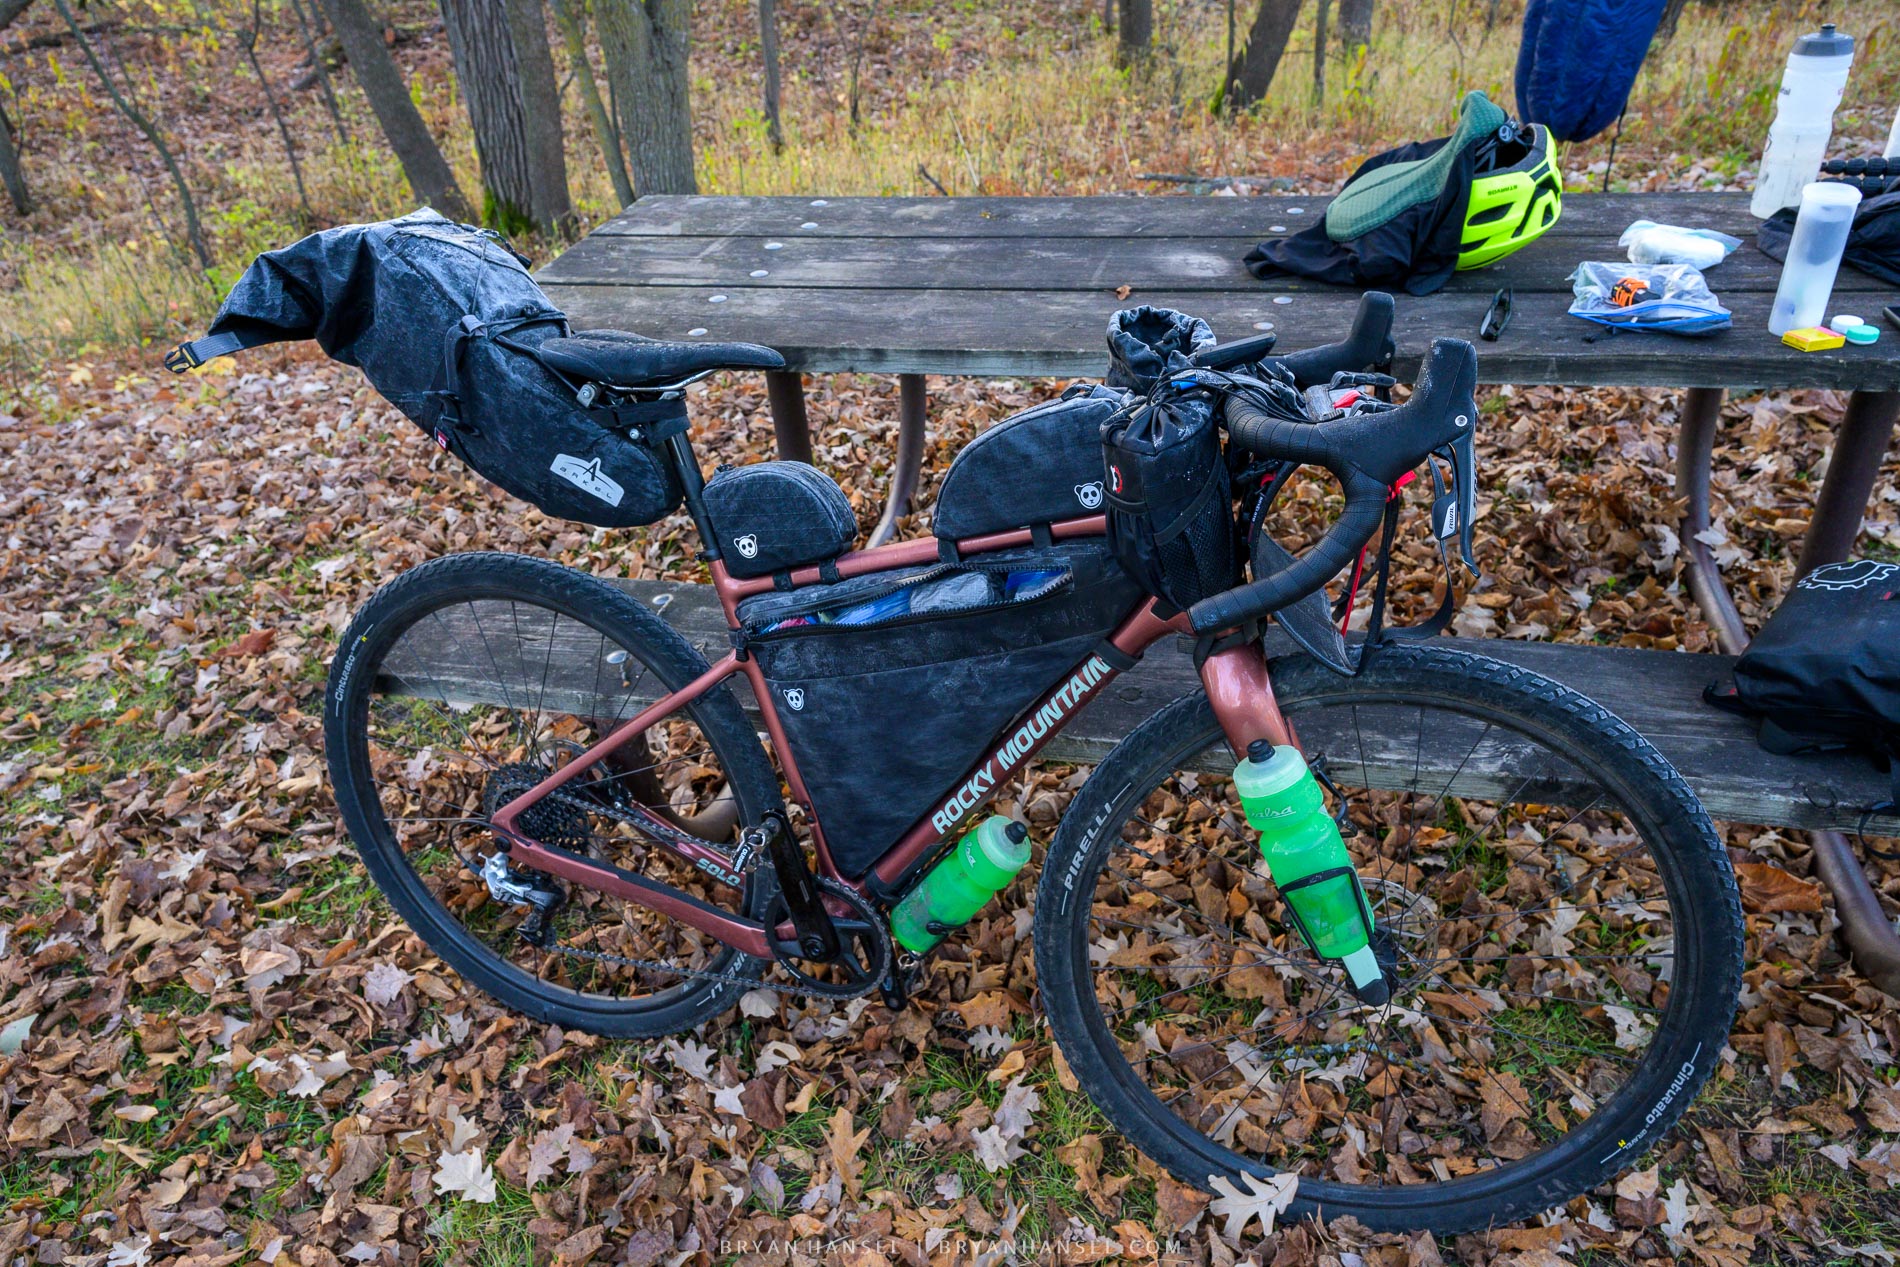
[
  {"x": 1558, "y": 918},
  {"x": 471, "y": 678}
]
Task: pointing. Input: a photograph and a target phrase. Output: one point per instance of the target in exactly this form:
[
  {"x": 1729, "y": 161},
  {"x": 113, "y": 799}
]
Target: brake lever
[{"x": 1455, "y": 505}]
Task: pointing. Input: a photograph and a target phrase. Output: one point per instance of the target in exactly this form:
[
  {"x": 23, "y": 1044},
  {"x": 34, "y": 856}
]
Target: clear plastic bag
[
  {"x": 1650, "y": 243},
  {"x": 1668, "y": 298}
]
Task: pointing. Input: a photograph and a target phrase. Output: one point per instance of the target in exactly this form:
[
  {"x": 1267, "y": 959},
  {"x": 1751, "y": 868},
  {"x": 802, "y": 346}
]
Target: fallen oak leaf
[
  {"x": 1265, "y": 1199},
  {"x": 466, "y": 1175},
  {"x": 844, "y": 1144}
]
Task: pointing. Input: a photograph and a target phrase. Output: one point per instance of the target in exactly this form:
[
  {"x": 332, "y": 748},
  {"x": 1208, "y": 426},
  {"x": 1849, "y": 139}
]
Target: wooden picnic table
[{"x": 1025, "y": 286}]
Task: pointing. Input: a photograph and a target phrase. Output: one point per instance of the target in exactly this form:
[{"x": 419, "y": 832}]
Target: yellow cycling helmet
[{"x": 1516, "y": 194}]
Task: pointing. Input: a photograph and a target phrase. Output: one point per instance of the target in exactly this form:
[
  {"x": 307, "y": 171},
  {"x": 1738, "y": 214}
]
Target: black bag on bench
[
  {"x": 1824, "y": 672},
  {"x": 443, "y": 319}
]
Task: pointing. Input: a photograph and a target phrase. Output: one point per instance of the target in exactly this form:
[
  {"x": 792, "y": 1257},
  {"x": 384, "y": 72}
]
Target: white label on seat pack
[{"x": 587, "y": 476}]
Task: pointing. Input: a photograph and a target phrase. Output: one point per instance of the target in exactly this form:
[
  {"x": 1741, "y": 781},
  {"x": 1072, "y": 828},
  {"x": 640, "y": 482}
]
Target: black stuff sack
[
  {"x": 1146, "y": 343},
  {"x": 1170, "y": 498},
  {"x": 1824, "y": 672},
  {"x": 1039, "y": 467},
  {"x": 892, "y": 686},
  {"x": 773, "y": 516},
  {"x": 443, "y": 319}
]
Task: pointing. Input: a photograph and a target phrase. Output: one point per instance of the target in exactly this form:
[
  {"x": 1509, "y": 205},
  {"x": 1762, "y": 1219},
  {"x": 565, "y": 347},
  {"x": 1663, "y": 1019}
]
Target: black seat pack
[
  {"x": 446, "y": 323},
  {"x": 1824, "y": 672},
  {"x": 773, "y": 516},
  {"x": 1036, "y": 467}
]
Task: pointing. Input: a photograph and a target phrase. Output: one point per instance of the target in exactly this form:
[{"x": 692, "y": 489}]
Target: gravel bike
[{"x": 570, "y": 805}]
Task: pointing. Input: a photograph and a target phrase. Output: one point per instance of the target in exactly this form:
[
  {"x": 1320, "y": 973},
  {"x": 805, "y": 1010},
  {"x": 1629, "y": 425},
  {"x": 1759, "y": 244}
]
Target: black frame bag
[
  {"x": 886, "y": 706},
  {"x": 1824, "y": 672}
]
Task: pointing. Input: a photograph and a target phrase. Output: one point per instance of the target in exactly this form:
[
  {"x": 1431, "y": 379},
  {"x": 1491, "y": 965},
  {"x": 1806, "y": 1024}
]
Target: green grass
[{"x": 492, "y": 1234}]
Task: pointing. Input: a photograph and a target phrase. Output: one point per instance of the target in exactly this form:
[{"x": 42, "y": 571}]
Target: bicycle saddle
[
  {"x": 1386, "y": 192},
  {"x": 620, "y": 359}
]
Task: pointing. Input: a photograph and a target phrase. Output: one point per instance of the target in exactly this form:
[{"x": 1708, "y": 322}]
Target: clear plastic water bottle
[
  {"x": 1811, "y": 87},
  {"x": 1814, "y": 255},
  {"x": 1308, "y": 861},
  {"x": 980, "y": 867}
]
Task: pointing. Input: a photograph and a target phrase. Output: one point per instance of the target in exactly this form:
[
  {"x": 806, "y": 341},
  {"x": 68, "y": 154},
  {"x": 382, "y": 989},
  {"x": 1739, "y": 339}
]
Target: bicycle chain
[{"x": 744, "y": 865}]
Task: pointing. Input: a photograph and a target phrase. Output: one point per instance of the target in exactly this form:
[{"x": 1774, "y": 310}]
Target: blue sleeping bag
[{"x": 1579, "y": 60}]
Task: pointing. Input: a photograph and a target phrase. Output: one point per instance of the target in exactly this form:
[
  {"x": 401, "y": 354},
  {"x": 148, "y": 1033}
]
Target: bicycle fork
[{"x": 1240, "y": 689}]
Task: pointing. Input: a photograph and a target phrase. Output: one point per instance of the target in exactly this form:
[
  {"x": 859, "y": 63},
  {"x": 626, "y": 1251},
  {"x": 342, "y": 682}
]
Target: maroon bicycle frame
[{"x": 1236, "y": 680}]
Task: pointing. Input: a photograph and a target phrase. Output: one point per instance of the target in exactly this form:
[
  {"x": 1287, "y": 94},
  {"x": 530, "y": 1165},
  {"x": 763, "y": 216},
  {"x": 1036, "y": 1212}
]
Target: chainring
[{"x": 865, "y": 948}]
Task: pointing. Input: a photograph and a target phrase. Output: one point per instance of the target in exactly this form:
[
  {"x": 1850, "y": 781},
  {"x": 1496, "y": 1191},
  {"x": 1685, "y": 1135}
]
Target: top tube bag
[
  {"x": 444, "y": 320},
  {"x": 891, "y": 686}
]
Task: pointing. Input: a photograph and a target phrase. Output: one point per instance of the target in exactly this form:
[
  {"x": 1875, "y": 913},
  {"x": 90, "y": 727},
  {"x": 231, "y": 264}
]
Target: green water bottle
[
  {"x": 959, "y": 886},
  {"x": 1309, "y": 862}
]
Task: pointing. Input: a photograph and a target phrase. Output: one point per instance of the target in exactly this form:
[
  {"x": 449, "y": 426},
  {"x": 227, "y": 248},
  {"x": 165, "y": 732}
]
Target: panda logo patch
[
  {"x": 1090, "y": 494},
  {"x": 795, "y": 699},
  {"x": 747, "y": 546}
]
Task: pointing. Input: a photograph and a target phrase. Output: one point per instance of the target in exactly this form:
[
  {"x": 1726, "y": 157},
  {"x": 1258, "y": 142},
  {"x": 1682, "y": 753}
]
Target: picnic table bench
[{"x": 1025, "y": 286}]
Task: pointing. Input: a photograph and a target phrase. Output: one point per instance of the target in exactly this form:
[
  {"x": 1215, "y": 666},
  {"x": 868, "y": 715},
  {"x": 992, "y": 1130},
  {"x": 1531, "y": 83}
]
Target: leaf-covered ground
[{"x": 221, "y": 1047}]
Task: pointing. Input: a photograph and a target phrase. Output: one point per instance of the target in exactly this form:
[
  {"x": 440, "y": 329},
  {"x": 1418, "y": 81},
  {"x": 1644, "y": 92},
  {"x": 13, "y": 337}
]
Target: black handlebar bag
[
  {"x": 443, "y": 319},
  {"x": 1170, "y": 499},
  {"x": 1824, "y": 672}
]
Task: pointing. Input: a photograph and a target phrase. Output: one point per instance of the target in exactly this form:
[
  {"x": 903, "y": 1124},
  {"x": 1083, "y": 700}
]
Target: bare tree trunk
[
  {"x": 645, "y": 44},
  {"x": 422, "y": 163},
  {"x": 10, "y": 11},
  {"x": 1266, "y": 42},
  {"x": 1108, "y": 16},
  {"x": 1319, "y": 52},
  {"x": 857, "y": 64},
  {"x": 1671, "y": 14},
  {"x": 1355, "y": 25},
  {"x": 193, "y": 233},
  {"x": 321, "y": 71},
  {"x": 11, "y": 174},
  {"x": 541, "y": 105},
  {"x": 248, "y": 42},
  {"x": 768, "y": 48},
  {"x": 574, "y": 35},
  {"x": 524, "y": 175},
  {"x": 1135, "y": 38}
]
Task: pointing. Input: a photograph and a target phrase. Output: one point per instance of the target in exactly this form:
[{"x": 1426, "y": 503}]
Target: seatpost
[{"x": 681, "y": 448}]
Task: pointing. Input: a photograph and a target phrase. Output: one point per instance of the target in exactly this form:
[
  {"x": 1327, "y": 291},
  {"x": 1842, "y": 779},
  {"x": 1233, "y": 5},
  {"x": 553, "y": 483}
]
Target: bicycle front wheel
[{"x": 1557, "y": 917}]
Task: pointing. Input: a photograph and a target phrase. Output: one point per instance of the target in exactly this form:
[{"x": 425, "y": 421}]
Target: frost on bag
[
  {"x": 1668, "y": 298},
  {"x": 444, "y": 321}
]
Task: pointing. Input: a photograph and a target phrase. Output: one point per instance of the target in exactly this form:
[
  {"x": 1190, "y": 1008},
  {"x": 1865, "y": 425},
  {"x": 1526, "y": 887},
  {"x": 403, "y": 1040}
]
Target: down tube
[{"x": 1044, "y": 719}]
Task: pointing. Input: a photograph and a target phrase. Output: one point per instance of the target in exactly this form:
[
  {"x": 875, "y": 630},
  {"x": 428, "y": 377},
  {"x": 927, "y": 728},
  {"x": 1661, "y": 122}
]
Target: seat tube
[
  {"x": 1241, "y": 691},
  {"x": 692, "y": 487}
]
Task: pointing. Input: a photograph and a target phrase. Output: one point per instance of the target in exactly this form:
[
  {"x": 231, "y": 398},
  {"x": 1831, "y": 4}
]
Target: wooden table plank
[
  {"x": 1105, "y": 215},
  {"x": 1000, "y": 265},
  {"x": 1656, "y": 692},
  {"x": 1060, "y": 333}
]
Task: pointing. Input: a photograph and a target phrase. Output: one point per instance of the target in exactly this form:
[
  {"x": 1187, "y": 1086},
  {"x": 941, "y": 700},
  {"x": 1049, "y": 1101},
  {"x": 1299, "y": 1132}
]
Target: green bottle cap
[
  {"x": 995, "y": 852},
  {"x": 1861, "y": 334}
]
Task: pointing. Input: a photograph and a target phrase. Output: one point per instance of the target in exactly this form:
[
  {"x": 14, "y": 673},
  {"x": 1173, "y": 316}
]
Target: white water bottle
[
  {"x": 1893, "y": 138},
  {"x": 1811, "y": 87},
  {"x": 1814, "y": 255}
]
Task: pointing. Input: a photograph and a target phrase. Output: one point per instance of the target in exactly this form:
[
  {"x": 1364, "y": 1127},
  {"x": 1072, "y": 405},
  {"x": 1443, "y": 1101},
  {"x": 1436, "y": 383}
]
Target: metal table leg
[
  {"x": 785, "y": 393},
  {"x": 1859, "y": 449},
  {"x": 1695, "y": 450},
  {"x": 910, "y": 455}
]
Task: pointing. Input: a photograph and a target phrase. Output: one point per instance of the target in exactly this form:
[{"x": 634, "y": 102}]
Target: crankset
[{"x": 862, "y": 961}]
